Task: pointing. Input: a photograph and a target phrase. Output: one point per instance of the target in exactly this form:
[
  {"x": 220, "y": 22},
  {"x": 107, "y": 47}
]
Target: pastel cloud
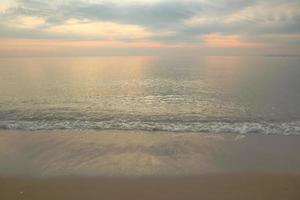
[
  {"x": 218, "y": 40},
  {"x": 27, "y": 22},
  {"x": 159, "y": 23},
  {"x": 6, "y": 4},
  {"x": 106, "y": 30}
]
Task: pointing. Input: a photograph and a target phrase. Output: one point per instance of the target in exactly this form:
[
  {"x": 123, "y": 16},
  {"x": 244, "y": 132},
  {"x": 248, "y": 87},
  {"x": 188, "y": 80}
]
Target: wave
[{"x": 264, "y": 127}]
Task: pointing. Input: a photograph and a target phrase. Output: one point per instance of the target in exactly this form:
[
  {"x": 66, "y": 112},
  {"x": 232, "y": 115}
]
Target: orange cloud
[
  {"x": 46, "y": 45},
  {"x": 107, "y": 30},
  {"x": 219, "y": 40},
  {"x": 39, "y": 44}
]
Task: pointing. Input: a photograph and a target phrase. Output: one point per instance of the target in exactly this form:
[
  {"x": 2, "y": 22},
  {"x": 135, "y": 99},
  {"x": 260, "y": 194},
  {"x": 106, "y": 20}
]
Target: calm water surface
[{"x": 206, "y": 94}]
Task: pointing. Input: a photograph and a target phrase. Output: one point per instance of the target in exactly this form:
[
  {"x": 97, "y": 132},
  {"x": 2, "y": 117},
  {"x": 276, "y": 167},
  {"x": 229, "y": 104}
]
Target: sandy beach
[
  {"x": 141, "y": 165},
  {"x": 212, "y": 186},
  {"x": 149, "y": 100}
]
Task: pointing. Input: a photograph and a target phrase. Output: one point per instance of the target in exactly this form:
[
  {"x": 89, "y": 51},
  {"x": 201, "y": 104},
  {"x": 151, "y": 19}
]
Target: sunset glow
[{"x": 259, "y": 26}]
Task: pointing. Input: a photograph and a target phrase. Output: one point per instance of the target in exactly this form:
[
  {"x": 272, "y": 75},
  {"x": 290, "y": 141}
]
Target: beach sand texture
[
  {"x": 209, "y": 187},
  {"x": 138, "y": 165}
]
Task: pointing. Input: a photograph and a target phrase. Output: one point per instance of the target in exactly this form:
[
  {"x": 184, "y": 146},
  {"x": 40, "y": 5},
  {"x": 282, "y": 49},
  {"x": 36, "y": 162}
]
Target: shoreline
[
  {"x": 117, "y": 131},
  {"x": 137, "y": 165},
  {"x": 119, "y": 153},
  {"x": 229, "y": 186}
]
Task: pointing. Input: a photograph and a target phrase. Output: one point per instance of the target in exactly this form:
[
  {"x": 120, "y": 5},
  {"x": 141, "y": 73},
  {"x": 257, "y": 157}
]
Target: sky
[{"x": 133, "y": 27}]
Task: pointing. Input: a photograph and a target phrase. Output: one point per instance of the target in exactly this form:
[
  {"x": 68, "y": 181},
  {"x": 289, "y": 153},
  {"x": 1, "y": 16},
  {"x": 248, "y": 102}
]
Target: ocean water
[{"x": 245, "y": 95}]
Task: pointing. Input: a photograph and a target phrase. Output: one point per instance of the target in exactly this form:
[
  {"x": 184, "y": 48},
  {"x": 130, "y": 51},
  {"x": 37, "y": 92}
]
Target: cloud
[
  {"x": 106, "y": 30},
  {"x": 28, "y": 22},
  {"x": 6, "y": 4},
  {"x": 218, "y": 40},
  {"x": 217, "y": 23},
  {"x": 147, "y": 13}
]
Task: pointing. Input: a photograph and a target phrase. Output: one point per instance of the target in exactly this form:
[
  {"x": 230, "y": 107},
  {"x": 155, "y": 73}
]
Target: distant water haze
[{"x": 212, "y": 94}]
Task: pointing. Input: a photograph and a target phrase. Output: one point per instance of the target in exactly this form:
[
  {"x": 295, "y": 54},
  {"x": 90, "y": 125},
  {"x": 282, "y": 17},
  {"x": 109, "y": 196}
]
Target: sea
[{"x": 204, "y": 94}]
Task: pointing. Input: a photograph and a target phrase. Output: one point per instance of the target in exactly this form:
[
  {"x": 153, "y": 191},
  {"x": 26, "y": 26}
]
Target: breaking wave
[{"x": 277, "y": 128}]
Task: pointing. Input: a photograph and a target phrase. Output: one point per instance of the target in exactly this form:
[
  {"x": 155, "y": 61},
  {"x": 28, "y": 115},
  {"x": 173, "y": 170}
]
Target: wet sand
[
  {"x": 213, "y": 186},
  {"x": 140, "y": 165}
]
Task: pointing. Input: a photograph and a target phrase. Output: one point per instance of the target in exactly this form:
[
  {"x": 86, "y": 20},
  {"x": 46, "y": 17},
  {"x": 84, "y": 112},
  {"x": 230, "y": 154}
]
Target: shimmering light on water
[{"x": 204, "y": 94}]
